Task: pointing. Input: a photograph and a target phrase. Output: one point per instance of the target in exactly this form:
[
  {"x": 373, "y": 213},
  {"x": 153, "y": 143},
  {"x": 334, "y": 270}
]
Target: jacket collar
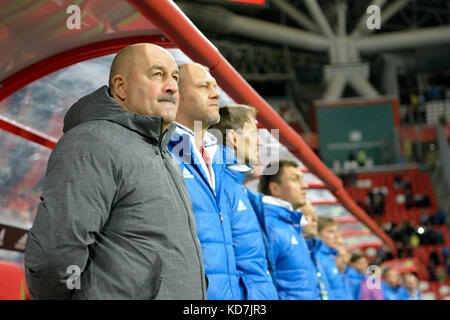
[
  {"x": 283, "y": 210},
  {"x": 314, "y": 245},
  {"x": 209, "y": 140},
  {"x": 327, "y": 250},
  {"x": 99, "y": 105},
  {"x": 352, "y": 272},
  {"x": 233, "y": 168}
]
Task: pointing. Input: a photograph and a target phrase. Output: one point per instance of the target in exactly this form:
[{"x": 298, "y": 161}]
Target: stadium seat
[
  {"x": 444, "y": 290},
  {"x": 424, "y": 285},
  {"x": 11, "y": 281},
  {"x": 428, "y": 296}
]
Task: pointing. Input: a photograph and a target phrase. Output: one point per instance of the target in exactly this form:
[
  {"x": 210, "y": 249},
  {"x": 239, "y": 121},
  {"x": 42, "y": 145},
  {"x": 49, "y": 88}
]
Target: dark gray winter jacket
[{"x": 114, "y": 207}]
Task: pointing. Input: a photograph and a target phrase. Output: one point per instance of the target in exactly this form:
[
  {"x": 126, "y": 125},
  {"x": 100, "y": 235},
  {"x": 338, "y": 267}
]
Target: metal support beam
[
  {"x": 335, "y": 87},
  {"x": 404, "y": 39},
  {"x": 296, "y": 15},
  {"x": 319, "y": 17},
  {"x": 226, "y": 22},
  {"x": 275, "y": 33},
  {"x": 341, "y": 19},
  {"x": 392, "y": 10},
  {"x": 362, "y": 86}
]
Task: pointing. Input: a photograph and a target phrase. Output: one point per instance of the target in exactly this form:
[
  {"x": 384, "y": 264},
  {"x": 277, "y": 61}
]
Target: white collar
[
  {"x": 277, "y": 202},
  {"x": 243, "y": 168},
  {"x": 209, "y": 139},
  {"x": 284, "y": 204}
]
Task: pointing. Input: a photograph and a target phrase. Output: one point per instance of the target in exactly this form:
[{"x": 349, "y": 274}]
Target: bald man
[{"x": 115, "y": 219}]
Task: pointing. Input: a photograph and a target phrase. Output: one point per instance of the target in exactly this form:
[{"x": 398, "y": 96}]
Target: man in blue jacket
[
  {"x": 200, "y": 161},
  {"x": 409, "y": 290},
  {"x": 314, "y": 244},
  {"x": 389, "y": 284},
  {"x": 328, "y": 232},
  {"x": 355, "y": 273},
  {"x": 284, "y": 192},
  {"x": 237, "y": 129}
]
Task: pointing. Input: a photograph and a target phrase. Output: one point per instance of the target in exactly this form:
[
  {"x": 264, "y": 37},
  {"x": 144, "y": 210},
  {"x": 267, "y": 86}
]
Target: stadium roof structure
[{"x": 37, "y": 42}]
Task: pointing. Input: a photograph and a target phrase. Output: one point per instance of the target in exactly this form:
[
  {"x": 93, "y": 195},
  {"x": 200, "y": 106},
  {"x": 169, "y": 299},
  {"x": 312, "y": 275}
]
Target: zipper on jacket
[{"x": 235, "y": 294}]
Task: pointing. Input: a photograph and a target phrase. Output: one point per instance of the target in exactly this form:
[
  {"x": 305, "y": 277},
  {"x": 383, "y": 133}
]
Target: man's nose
[
  {"x": 170, "y": 86},
  {"x": 303, "y": 184},
  {"x": 214, "y": 94}
]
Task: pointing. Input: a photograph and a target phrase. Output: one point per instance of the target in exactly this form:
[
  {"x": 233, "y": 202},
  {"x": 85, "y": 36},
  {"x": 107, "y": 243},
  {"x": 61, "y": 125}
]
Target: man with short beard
[{"x": 200, "y": 161}]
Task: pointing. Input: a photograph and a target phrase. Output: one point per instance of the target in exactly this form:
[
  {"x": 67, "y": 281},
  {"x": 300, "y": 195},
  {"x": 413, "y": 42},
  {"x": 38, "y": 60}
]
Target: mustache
[{"x": 168, "y": 97}]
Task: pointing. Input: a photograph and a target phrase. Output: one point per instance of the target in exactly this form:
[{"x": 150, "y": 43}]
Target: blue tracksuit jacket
[{"x": 212, "y": 214}]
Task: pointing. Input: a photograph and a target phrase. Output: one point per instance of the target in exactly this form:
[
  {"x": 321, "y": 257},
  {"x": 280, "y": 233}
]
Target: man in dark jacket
[
  {"x": 115, "y": 219},
  {"x": 237, "y": 129}
]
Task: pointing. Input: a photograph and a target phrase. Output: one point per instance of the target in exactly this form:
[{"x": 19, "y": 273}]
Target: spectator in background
[
  {"x": 284, "y": 193},
  {"x": 431, "y": 271},
  {"x": 440, "y": 217},
  {"x": 426, "y": 200},
  {"x": 409, "y": 199},
  {"x": 398, "y": 183},
  {"x": 390, "y": 284},
  {"x": 361, "y": 158},
  {"x": 423, "y": 219},
  {"x": 434, "y": 257},
  {"x": 410, "y": 289},
  {"x": 447, "y": 265},
  {"x": 238, "y": 134},
  {"x": 407, "y": 184},
  {"x": 326, "y": 255}
]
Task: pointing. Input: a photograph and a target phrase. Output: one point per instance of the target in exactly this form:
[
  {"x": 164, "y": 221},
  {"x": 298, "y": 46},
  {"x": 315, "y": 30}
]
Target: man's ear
[
  {"x": 119, "y": 86},
  {"x": 232, "y": 139},
  {"x": 275, "y": 189}
]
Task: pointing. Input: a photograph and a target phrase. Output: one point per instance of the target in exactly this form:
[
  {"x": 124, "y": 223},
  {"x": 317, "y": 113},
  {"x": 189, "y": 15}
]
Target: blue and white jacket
[
  {"x": 337, "y": 288},
  {"x": 314, "y": 246},
  {"x": 390, "y": 292},
  {"x": 294, "y": 272},
  {"x": 248, "y": 242},
  {"x": 355, "y": 279},
  {"x": 212, "y": 215},
  {"x": 404, "y": 294}
]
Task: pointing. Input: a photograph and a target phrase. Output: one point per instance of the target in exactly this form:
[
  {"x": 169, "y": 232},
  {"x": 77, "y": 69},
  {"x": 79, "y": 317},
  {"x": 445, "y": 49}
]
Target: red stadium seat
[{"x": 11, "y": 281}]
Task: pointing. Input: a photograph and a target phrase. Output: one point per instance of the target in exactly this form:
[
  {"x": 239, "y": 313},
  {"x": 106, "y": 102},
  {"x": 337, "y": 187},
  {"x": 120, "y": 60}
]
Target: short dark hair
[
  {"x": 356, "y": 256},
  {"x": 234, "y": 117},
  {"x": 267, "y": 178}
]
